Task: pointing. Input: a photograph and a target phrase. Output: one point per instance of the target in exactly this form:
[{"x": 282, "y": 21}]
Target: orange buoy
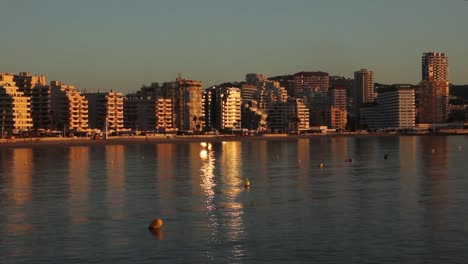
[
  {"x": 321, "y": 165},
  {"x": 156, "y": 224},
  {"x": 247, "y": 183}
]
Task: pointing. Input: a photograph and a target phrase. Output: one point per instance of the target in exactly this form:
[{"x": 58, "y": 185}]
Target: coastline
[{"x": 162, "y": 139}]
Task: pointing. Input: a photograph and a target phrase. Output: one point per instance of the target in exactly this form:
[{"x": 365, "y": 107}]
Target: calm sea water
[{"x": 92, "y": 204}]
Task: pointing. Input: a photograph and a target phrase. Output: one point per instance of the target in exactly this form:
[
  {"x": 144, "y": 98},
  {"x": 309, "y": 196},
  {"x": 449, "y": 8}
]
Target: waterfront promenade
[{"x": 194, "y": 138}]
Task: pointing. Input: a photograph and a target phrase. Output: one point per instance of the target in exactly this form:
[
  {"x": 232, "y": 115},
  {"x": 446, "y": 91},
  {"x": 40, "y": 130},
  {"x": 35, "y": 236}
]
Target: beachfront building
[
  {"x": 230, "y": 110},
  {"x": 222, "y": 108},
  {"x": 36, "y": 88},
  {"x": 337, "y": 118},
  {"x": 148, "y": 114},
  {"x": 396, "y": 107},
  {"x": 105, "y": 110},
  {"x": 15, "y": 108},
  {"x": 69, "y": 108},
  {"x": 291, "y": 116}
]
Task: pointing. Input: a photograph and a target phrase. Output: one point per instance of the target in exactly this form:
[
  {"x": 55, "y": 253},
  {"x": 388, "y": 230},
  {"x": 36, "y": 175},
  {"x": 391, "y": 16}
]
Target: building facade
[
  {"x": 307, "y": 82},
  {"x": 15, "y": 108},
  {"x": 291, "y": 116},
  {"x": 434, "y": 88},
  {"x": 69, "y": 108},
  {"x": 364, "y": 86},
  {"x": 105, "y": 110},
  {"x": 396, "y": 107}
]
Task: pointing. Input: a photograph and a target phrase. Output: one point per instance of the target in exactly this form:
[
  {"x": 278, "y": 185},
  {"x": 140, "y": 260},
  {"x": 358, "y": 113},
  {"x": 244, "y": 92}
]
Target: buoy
[
  {"x": 321, "y": 165},
  {"x": 247, "y": 183},
  {"x": 385, "y": 156},
  {"x": 433, "y": 150},
  {"x": 156, "y": 224}
]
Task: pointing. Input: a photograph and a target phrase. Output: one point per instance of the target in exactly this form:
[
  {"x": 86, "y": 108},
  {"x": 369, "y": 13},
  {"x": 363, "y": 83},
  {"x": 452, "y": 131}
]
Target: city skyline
[{"x": 121, "y": 45}]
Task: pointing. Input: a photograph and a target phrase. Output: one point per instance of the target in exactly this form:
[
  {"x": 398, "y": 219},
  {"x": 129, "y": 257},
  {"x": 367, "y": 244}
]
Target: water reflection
[
  {"x": 233, "y": 183},
  {"x": 115, "y": 164},
  {"x": 18, "y": 222},
  {"x": 78, "y": 183},
  {"x": 207, "y": 185}
]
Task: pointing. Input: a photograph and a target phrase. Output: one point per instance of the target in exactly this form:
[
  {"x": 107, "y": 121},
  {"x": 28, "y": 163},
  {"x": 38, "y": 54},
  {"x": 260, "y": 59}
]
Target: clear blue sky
[{"x": 120, "y": 45}]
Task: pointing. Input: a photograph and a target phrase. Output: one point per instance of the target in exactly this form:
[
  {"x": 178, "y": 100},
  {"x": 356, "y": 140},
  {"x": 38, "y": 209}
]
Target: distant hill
[{"x": 459, "y": 91}]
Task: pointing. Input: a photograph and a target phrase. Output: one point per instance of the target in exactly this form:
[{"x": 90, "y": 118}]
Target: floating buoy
[
  {"x": 459, "y": 147},
  {"x": 433, "y": 150},
  {"x": 247, "y": 183},
  {"x": 385, "y": 156},
  {"x": 348, "y": 160},
  {"x": 321, "y": 165},
  {"x": 156, "y": 224}
]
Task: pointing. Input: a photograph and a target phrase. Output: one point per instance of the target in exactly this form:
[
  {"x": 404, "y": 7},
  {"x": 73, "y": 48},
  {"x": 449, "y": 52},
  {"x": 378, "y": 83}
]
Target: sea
[{"x": 360, "y": 199}]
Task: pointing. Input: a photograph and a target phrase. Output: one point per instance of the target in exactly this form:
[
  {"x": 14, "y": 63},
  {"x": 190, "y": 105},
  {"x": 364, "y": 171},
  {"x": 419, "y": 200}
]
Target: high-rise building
[
  {"x": 222, "y": 108},
  {"x": 69, "y": 108},
  {"x": 338, "y": 96},
  {"x": 15, "y": 107},
  {"x": 188, "y": 102},
  {"x": 434, "y": 66},
  {"x": 364, "y": 87},
  {"x": 105, "y": 110},
  {"x": 35, "y": 86},
  {"x": 396, "y": 107},
  {"x": 308, "y": 82},
  {"x": 434, "y": 88}
]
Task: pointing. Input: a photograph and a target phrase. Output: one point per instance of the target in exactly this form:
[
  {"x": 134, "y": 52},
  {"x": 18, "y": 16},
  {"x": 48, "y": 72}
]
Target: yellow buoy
[
  {"x": 156, "y": 224},
  {"x": 247, "y": 183}
]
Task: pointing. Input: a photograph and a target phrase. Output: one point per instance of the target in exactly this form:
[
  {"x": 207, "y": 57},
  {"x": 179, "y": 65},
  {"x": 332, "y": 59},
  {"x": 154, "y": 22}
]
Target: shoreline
[{"x": 160, "y": 139}]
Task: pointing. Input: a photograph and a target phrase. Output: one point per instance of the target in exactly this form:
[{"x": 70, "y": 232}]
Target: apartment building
[
  {"x": 105, "y": 110},
  {"x": 396, "y": 107},
  {"x": 15, "y": 107},
  {"x": 308, "y": 82},
  {"x": 69, "y": 108}
]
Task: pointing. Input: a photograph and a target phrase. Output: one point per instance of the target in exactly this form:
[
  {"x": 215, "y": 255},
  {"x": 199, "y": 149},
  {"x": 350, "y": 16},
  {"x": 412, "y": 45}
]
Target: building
[
  {"x": 230, "y": 111},
  {"x": 222, "y": 108},
  {"x": 15, "y": 108},
  {"x": 396, "y": 107},
  {"x": 268, "y": 93},
  {"x": 337, "y": 118},
  {"x": 25, "y": 81},
  {"x": 187, "y": 101},
  {"x": 255, "y": 78},
  {"x": 105, "y": 110},
  {"x": 434, "y": 69},
  {"x": 69, "y": 108},
  {"x": 291, "y": 116},
  {"x": 364, "y": 87},
  {"x": 434, "y": 66},
  {"x": 164, "y": 115},
  {"x": 338, "y": 96},
  {"x": 36, "y": 88},
  {"x": 307, "y": 82},
  {"x": 432, "y": 102}
]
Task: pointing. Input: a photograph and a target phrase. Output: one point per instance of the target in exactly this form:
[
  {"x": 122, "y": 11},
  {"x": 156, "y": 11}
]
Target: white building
[
  {"x": 396, "y": 107},
  {"x": 230, "y": 104}
]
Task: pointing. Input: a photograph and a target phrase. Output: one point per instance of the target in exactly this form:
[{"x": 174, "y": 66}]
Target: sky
[{"x": 122, "y": 45}]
